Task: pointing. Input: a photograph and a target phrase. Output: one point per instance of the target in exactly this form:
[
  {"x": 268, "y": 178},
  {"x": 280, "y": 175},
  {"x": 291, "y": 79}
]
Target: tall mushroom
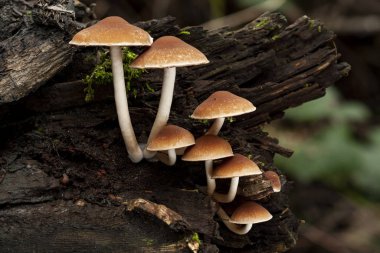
[
  {"x": 167, "y": 52},
  {"x": 170, "y": 138},
  {"x": 244, "y": 217},
  {"x": 115, "y": 32},
  {"x": 233, "y": 167},
  {"x": 208, "y": 148},
  {"x": 218, "y": 106}
]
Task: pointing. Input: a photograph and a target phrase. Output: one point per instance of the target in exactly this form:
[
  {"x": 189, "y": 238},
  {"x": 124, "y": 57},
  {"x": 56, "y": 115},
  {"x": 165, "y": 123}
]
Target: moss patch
[
  {"x": 184, "y": 32},
  {"x": 261, "y": 23},
  {"x": 102, "y": 74},
  {"x": 276, "y": 37}
]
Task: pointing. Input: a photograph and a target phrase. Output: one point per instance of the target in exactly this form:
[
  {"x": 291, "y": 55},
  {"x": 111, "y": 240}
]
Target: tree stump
[{"x": 66, "y": 184}]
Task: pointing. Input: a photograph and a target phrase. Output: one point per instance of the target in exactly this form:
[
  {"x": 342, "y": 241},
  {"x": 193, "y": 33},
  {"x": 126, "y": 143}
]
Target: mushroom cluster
[
  {"x": 165, "y": 140},
  {"x": 167, "y": 52},
  {"x": 209, "y": 147}
]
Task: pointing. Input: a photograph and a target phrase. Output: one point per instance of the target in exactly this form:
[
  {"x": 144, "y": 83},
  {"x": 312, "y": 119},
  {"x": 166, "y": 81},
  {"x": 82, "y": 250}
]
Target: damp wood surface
[{"x": 66, "y": 184}]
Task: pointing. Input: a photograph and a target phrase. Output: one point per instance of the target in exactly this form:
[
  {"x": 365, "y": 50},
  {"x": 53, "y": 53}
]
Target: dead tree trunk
[{"x": 66, "y": 184}]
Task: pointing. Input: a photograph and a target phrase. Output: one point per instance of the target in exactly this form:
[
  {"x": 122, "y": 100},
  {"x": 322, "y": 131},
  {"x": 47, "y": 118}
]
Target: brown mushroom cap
[
  {"x": 169, "y": 51},
  {"x": 250, "y": 212},
  {"x": 208, "y": 147},
  {"x": 171, "y": 137},
  {"x": 236, "y": 166},
  {"x": 274, "y": 180},
  {"x": 112, "y": 31},
  {"x": 222, "y": 104}
]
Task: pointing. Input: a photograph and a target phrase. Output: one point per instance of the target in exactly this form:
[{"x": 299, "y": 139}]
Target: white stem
[
  {"x": 230, "y": 196},
  {"x": 180, "y": 151},
  {"x": 169, "y": 158},
  {"x": 237, "y": 229},
  {"x": 164, "y": 106},
  {"x": 216, "y": 126},
  {"x": 210, "y": 182},
  {"x": 134, "y": 151}
]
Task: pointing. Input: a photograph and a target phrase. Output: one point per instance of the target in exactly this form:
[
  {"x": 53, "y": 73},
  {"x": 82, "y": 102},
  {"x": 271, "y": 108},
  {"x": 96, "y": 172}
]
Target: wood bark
[{"x": 66, "y": 184}]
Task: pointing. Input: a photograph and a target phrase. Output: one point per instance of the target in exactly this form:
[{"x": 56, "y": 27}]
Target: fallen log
[{"x": 65, "y": 181}]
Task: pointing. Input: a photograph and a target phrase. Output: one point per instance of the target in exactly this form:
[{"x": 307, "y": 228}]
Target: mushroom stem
[
  {"x": 216, "y": 126},
  {"x": 210, "y": 182},
  {"x": 169, "y": 158},
  {"x": 180, "y": 151},
  {"x": 133, "y": 148},
  {"x": 230, "y": 196},
  {"x": 237, "y": 229},
  {"x": 163, "y": 107}
]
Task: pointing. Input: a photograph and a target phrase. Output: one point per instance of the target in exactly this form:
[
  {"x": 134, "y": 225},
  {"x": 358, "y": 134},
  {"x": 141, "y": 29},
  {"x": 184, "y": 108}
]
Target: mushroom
[
  {"x": 218, "y": 106},
  {"x": 170, "y": 138},
  {"x": 233, "y": 167},
  {"x": 208, "y": 148},
  {"x": 244, "y": 217},
  {"x": 167, "y": 52},
  {"x": 116, "y": 32},
  {"x": 274, "y": 180}
]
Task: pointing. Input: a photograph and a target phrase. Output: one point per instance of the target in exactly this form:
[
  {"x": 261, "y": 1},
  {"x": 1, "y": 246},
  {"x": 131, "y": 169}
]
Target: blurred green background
[{"x": 334, "y": 172}]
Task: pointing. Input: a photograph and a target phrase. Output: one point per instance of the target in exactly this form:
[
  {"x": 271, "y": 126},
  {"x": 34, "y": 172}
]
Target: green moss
[
  {"x": 203, "y": 121},
  {"x": 276, "y": 37},
  {"x": 262, "y": 23},
  {"x": 134, "y": 92},
  {"x": 184, "y": 32},
  {"x": 130, "y": 73},
  {"x": 230, "y": 119},
  {"x": 195, "y": 238},
  {"x": 311, "y": 24},
  {"x": 102, "y": 73},
  {"x": 149, "y": 88}
]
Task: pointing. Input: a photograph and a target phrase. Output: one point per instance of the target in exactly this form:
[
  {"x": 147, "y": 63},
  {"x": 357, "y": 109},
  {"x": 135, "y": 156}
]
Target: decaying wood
[{"x": 108, "y": 204}]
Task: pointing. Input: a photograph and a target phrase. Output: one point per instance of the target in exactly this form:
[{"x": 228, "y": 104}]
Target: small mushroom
[
  {"x": 115, "y": 32},
  {"x": 274, "y": 180},
  {"x": 208, "y": 148},
  {"x": 244, "y": 217},
  {"x": 233, "y": 167},
  {"x": 167, "y": 52},
  {"x": 218, "y": 106},
  {"x": 170, "y": 138}
]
